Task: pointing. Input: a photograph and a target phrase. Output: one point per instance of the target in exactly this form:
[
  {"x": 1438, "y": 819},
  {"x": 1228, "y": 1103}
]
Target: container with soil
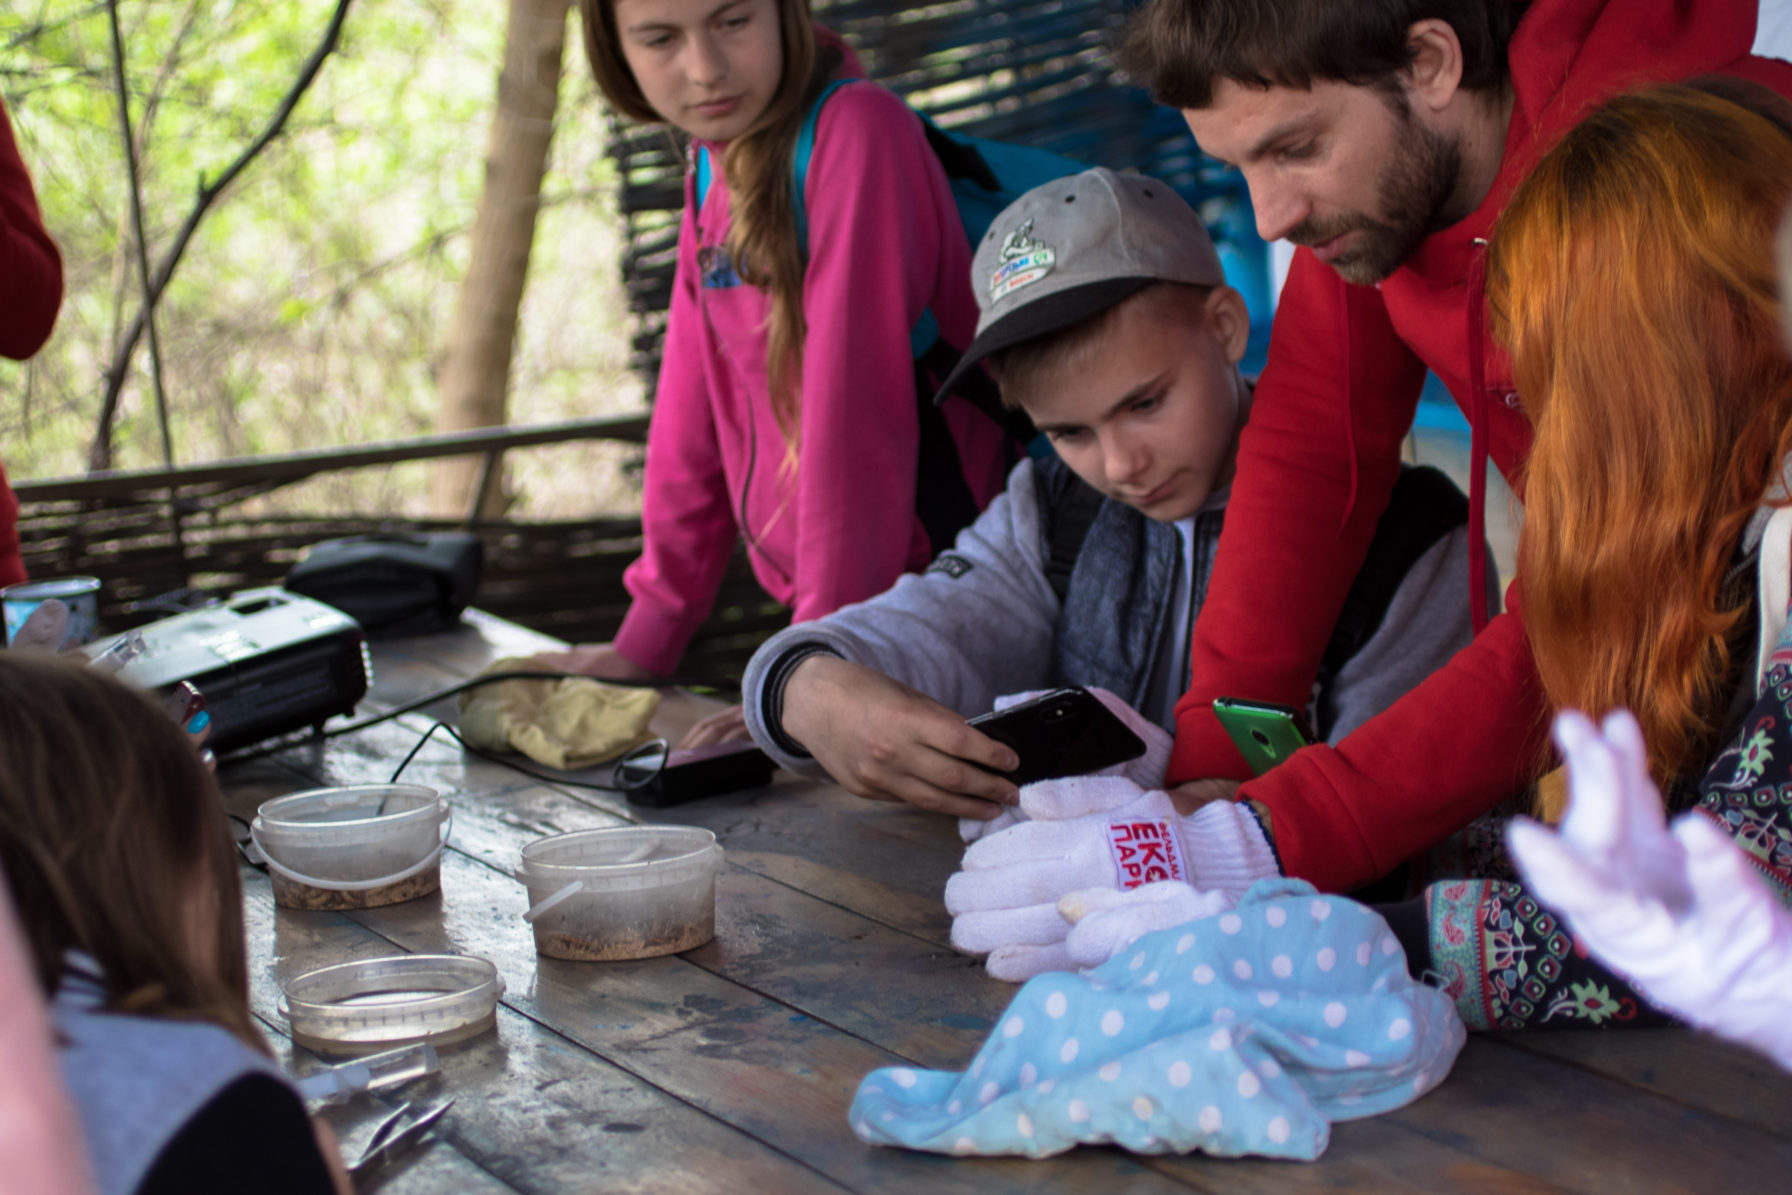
[
  {"x": 356, "y": 847},
  {"x": 628, "y": 893}
]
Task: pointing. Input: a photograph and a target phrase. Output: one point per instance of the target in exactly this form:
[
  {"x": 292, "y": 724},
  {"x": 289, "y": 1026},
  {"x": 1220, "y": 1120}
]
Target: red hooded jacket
[
  {"x": 30, "y": 293},
  {"x": 1318, "y": 460}
]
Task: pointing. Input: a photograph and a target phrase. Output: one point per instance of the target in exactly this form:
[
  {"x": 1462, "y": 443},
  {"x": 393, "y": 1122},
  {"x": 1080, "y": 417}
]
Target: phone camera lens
[
  {"x": 1262, "y": 739},
  {"x": 1057, "y": 713}
]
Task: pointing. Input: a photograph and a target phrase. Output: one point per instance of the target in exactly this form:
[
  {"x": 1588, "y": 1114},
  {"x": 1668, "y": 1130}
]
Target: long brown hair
[
  {"x": 110, "y": 829},
  {"x": 1632, "y": 279},
  {"x": 762, "y": 236}
]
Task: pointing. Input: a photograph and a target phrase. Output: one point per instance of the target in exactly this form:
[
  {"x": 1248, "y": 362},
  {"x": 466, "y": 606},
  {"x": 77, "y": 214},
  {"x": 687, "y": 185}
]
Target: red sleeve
[
  {"x": 1466, "y": 738},
  {"x": 1297, "y": 528},
  {"x": 30, "y": 266},
  {"x": 1316, "y": 464},
  {"x": 879, "y": 218}
]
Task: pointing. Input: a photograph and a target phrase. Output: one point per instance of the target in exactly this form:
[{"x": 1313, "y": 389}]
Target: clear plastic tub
[
  {"x": 641, "y": 891},
  {"x": 380, "y": 1003},
  {"x": 356, "y": 847}
]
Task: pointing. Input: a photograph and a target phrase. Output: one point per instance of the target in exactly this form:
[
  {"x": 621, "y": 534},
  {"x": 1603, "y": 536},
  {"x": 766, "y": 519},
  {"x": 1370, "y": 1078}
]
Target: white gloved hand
[
  {"x": 1090, "y": 832},
  {"x": 1105, "y": 921},
  {"x": 1680, "y": 913},
  {"x": 1147, "y": 771}
]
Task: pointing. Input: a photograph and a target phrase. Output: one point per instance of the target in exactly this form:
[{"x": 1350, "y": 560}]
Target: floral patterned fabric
[
  {"x": 1508, "y": 961},
  {"x": 1747, "y": 790}
]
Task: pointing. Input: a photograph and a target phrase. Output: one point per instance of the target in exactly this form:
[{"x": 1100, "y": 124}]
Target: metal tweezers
[{"x": 389, "y": 1143}]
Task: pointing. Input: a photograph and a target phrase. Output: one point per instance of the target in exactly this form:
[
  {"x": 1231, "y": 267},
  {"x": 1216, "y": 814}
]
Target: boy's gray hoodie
[{"x": 984, "y": 621}]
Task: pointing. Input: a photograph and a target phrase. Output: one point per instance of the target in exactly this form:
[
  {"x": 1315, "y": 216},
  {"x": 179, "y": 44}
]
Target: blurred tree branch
[{"x": 100, "y": 453}]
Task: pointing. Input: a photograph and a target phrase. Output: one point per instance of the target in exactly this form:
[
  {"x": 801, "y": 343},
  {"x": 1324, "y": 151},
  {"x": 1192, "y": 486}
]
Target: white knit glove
[
  {"x": 1090, "y": 832},
  {"x": 1147, "y": 771},
  {"x": 1680, "y": 913},
  {"x": 1105, "y": 921}
]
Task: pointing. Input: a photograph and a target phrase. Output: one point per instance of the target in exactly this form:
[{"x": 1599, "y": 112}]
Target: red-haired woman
[{"x": 1632, "y": 280}]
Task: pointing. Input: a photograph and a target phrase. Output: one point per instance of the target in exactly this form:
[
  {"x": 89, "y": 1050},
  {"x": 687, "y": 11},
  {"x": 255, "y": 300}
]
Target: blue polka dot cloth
[{"x": 1246, "y": 1033}]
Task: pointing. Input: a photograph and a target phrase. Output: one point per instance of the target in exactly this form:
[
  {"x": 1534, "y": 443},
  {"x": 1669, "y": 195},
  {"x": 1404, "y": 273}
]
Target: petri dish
[{"x": 380, "y": 1003}]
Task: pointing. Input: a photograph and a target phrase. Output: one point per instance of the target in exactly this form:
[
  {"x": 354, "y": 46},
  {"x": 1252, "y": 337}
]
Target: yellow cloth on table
[{"x": 567, "y": 724}]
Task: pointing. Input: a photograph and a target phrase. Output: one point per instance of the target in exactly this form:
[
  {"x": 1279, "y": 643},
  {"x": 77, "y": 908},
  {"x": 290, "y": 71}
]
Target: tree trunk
[{"x": 475, "y": 371}]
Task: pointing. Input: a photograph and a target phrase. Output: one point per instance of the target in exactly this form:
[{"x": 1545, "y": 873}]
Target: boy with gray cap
[{"x": 1107, "y": 319}]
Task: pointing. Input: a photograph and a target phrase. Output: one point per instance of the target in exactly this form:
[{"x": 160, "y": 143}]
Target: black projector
[{"x": 267, "y": 662}]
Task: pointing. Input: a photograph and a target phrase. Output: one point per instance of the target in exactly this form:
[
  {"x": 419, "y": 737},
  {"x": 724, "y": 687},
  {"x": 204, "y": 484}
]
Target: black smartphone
[
  {"x": 1264, "y": 734},
  {"x": 1067, "y": 732},
  {"x": 656, "y": 776}
]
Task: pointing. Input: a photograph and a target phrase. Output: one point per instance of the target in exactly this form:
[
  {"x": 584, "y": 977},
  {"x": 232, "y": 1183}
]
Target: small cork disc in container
[
  {"x": 381, "y": 1003},
  {"x": 356, "y": 847},
  {"x": 632, "y": 892}
]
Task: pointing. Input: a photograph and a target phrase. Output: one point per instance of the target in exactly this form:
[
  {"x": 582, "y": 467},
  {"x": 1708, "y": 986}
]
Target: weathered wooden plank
[
  {"x": 435, "y": 1166},
  {"x": 912, "y": 998},
  {"x": 533, "y": 1109},
  {"x": 883, "y": 860},
  {"x": 1687, "y": 1067},
  {"x": 829, "y": 962},
  {"x": 1378, "y": 1155},
  {"x": 1584, "y": 1132},
  {"x": 933, "y": 1007},
  {"x": 763, "y": 1066}
]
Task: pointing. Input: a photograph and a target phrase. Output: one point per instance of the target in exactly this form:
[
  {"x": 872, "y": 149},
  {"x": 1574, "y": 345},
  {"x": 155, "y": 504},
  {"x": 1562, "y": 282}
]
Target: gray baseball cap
[{"x": 1072, "y": 248}]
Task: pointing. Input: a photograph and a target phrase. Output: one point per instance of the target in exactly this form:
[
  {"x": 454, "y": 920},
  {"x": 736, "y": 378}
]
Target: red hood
[{"x": 1565, "y": 57}]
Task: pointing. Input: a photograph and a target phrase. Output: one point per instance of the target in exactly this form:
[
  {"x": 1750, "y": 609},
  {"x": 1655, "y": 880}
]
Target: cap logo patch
[{"x": 1025, "y": 260}]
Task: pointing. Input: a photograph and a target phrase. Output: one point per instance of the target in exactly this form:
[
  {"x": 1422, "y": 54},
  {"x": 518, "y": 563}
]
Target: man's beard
[{"x": 1414, "y": 189}]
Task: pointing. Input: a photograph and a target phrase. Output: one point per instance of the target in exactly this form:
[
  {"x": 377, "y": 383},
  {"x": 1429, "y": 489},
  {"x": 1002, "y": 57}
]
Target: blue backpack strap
[
  {"x": 799, "y": 162},
  {"x": 702, "y": 177}
]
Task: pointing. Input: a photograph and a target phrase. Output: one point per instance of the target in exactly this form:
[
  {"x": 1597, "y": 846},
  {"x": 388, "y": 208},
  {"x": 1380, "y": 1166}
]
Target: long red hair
[{"x": 1632, "y": 280}]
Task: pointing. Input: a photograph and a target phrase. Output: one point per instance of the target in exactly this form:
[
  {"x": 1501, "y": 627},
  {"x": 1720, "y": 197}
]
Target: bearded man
[{"x": 1383, "y": 137}]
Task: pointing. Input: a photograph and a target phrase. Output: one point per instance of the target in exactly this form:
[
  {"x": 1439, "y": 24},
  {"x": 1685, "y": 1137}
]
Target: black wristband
[{"x": 771, "y": 701}]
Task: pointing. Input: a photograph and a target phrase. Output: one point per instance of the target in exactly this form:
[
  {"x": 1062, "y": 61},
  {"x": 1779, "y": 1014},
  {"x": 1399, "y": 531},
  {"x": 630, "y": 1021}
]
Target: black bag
[{"x": 394, "y": 584}]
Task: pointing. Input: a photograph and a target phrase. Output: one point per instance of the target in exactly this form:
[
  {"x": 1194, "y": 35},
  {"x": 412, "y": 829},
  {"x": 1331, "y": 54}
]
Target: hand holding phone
[
  {"x": 882, "y": 740},
  {"x": 1067, "y": 732},
  {"x": 1264, "y": 734}
]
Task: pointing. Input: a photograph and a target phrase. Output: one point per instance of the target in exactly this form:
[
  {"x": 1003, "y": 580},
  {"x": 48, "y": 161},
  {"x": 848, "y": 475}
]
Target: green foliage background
[{"x": 311, "y": 306}]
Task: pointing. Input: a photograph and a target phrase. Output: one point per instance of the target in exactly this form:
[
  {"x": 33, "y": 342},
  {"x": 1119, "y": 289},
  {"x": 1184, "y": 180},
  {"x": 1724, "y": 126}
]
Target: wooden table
[{"x": 731, "y": 1067}]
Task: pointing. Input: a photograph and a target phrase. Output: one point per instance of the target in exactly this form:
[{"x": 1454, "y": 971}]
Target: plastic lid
[
  {"x": 352, "y": 806},
  {"x": 623, "y": 857},
  {"x": 54, "y": 587},
  {"x": 379, "y": 1003}
]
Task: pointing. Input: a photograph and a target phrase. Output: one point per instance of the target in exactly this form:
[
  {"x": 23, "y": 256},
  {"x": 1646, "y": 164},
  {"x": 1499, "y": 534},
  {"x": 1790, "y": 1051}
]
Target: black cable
[
  {"x": 494, "y": 757},
  {"x": 287, "y": 742},
  {"x": 244, "y": 840}
]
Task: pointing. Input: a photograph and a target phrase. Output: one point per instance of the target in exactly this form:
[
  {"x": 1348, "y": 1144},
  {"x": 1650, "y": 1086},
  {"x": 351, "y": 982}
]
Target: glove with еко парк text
[{"x": 1090, "y": 832}]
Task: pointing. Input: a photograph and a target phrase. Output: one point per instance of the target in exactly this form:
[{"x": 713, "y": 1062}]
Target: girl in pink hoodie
[{"x": 786, "y": 410}]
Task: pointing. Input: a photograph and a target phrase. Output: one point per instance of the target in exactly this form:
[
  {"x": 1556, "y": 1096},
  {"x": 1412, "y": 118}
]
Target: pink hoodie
[{"x": 885, "y": 244}]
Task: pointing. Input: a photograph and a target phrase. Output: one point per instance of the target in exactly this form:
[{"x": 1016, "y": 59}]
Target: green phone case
[{"x": 1264, "y": 734}]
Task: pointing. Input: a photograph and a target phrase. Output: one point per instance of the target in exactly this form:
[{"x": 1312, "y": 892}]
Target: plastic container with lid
[
  {"x": 355, "y": 847},
  {"x": 631, "y": 892},
  {"x": 380, "y": 1003}
]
